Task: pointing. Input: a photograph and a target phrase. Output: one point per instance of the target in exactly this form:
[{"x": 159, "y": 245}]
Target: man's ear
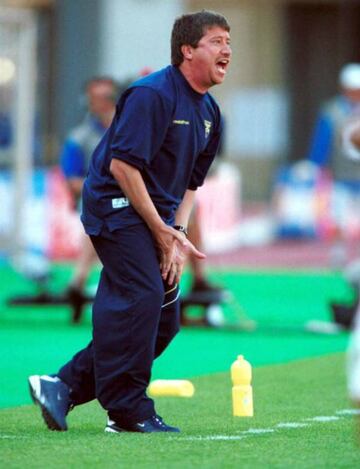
[{"x": 187, "y": 51}]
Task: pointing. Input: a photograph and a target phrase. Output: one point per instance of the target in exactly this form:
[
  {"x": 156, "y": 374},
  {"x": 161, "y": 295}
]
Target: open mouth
[{"x": 222, "y": 65}]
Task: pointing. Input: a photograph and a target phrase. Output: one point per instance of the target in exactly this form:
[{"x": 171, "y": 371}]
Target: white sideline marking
[
  {"x": 323, "y": 418},
  {"x": 257, "y": 431},
  {"x": 292, "y": 425},
  {"x": 212, "y": 438},
  {"x": 12, "y": 437},
  {"x": 348, "y": 412}
]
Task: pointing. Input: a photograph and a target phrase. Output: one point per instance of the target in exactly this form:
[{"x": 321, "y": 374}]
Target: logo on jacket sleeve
[
  {"x": 181, "y": 122},
  {"x": 207, "y": 125},
  {"x": 120, "y": 202}
]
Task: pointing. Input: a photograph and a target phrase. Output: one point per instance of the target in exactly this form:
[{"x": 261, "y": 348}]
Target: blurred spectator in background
[
  {"x": 327, "y": 149},
  {"x": 101, "y": 94},
  {"x": 344, "y": 313},
  {"x": 332, "y": 148},
  {"x": 351, "y": 139}
]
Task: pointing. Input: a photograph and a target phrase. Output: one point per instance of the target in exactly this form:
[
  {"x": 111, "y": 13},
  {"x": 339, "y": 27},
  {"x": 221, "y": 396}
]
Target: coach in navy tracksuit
[{"x": 137, "y": 199}]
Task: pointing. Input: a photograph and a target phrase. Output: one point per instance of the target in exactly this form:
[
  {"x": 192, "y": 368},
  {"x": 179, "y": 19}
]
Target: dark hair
[{"x": 189, "y": 29}]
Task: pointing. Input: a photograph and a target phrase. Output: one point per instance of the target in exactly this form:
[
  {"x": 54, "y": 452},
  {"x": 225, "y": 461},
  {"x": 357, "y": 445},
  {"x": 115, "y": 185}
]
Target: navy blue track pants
[{"x": 135, "y": 316}]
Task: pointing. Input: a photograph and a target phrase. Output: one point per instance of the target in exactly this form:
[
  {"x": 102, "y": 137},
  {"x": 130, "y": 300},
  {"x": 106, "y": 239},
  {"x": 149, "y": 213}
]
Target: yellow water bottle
[
  {"x": 171, "y": 387},
  {"x": 242, "y": 395}
]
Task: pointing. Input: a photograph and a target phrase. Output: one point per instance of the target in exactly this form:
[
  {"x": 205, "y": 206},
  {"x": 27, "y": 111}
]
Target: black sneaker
[
  {"x": 52, "y": 395},
  {"x": 151, "y": 425}
]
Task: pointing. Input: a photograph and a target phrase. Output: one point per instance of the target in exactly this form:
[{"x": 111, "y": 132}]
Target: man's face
[
  {"x": 211, "y": 58},
  {"x": 100, "y": 98}
]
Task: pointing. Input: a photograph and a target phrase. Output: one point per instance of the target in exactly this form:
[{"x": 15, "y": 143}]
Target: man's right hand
[{"x": 174, "y": 248}]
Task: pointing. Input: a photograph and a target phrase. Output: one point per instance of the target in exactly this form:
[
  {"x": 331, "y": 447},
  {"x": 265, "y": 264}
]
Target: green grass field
[
  {"x": 302, "y": 418},
  {"x": 297, "y": 423}
]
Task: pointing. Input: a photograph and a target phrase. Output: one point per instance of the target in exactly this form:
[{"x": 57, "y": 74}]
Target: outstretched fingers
[{"x": 174, "y": 249}]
